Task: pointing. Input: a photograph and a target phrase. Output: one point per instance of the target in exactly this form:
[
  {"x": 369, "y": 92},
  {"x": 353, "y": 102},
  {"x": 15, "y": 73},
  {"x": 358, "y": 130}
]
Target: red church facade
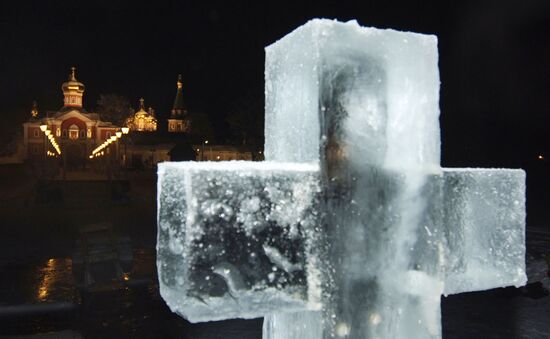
[{"x": 76, "y": 132}]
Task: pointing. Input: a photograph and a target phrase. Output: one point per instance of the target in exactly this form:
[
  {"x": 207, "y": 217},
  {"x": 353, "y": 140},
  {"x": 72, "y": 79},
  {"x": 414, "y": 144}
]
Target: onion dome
[
  {"x": 142, "y": 120},
  {"x": 72, "y": 90}
]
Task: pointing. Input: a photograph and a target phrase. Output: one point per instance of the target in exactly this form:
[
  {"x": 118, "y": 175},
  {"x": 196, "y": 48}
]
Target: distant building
[
  {"x": 77, "y": 137},
  {"x": 209, "y": 152},
  {"x": 75, "y": 131},
  {"x": 179, "y": 121},
  {"x": 142, "y": 121}
]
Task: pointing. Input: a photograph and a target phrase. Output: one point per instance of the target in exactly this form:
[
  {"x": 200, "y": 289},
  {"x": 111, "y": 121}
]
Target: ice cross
[{"x": 351, "y": 229}]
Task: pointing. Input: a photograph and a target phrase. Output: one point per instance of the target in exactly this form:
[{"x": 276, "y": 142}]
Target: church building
[
  {"x": 179, "y": 121},
  {"x": 77, "y": 137},
  {"x": 142, "y": 120},
  {"x": 70, "y": 131}
]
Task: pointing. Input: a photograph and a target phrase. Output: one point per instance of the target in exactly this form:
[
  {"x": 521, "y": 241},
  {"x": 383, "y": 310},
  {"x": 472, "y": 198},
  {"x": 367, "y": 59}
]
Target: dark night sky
[{"x": 494, "y": 60}]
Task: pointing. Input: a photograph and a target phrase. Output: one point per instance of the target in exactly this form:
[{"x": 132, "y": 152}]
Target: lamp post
[
  {"x": 125, "y": 131},
  {"x": 118, "y": 136},
  {"x": 202, "y": 149},
  {"x": 44, "y": 128}
]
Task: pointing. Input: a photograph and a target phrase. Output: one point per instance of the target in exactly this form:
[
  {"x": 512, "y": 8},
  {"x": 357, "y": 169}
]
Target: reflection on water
[
  {"x": 136, "y": 311},
  {"x": 44, "y": 281},
  {"x": 55, "y": 280}
]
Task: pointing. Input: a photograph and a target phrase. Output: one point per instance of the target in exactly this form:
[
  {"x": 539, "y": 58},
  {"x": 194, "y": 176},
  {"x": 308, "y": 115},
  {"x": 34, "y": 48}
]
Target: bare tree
[{"x": 113, "y": 107}]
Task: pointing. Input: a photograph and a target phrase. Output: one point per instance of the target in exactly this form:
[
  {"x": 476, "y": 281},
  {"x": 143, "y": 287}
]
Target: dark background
[{"x": 494, "y": 63}]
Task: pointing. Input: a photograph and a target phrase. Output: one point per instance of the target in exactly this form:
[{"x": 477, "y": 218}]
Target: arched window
[{"x": 73, "y": 132}]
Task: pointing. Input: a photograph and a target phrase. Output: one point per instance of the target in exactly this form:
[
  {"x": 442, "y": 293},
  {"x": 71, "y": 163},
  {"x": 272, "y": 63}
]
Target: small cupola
[{"x": 73, "y": 91}]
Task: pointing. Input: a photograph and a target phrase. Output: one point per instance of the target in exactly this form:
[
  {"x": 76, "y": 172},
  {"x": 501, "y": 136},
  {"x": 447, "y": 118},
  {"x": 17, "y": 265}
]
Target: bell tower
[
  {"x": 73, "y": 91},
  {"x": 178, "y": 121}
]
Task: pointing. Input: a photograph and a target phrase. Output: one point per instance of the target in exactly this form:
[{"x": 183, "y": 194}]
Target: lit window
[{"x": 73, "y": 132}]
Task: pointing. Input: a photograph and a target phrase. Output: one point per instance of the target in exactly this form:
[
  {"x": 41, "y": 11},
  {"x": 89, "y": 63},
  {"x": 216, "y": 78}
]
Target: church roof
[
  {"x": 66, "y": 109},
  {"x": 142, "y": 120},
  {"x": 178, "y": 108},
  {"x": 72, "y": 84}
]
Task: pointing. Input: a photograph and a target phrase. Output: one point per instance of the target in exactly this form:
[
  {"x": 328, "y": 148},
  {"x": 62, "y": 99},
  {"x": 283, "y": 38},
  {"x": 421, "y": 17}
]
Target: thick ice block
[
  {"x": 399, "y": 230},
  {"x": 384, "y": 84},
  {"x": 485, "y": 228},
  {"x": 364, "y": 102},
  {"x": 363, "y": 243},
  {"x": 233, "y": 238}
]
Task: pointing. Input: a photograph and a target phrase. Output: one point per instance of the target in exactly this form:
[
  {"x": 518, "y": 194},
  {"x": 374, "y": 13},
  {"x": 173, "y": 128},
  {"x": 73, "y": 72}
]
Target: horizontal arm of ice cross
[
  {"x": 484, "y": 224},
  {"x": 234, "y": 238}
]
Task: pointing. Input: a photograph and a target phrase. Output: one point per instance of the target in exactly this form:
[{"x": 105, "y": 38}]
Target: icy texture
[
  {"x": 352, "y": 229},
  {"x": 386, "y": 83},
  {"x": 398, "y": 230},
  {"x": 294, "y": 325},
  {"x": 233, "y": 238},
  {"x": 372, "y": 97},
  {"x": 485, "y": 218}
]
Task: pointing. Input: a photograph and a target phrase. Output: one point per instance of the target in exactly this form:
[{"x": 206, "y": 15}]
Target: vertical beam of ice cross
[{"x": 364, "y": 103}]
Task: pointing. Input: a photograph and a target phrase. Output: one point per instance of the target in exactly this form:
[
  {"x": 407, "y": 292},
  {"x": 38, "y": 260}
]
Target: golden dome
[
  {"x": 142, "y": 120},
  {"x": 73, "y": 85}
]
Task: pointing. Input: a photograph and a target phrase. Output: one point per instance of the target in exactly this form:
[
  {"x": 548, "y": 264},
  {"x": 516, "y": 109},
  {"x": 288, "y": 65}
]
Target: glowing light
[
  {"x": 125, "y": 130},
  {"x": 126, "y": 277},
  {"x": 47, "y": 279},
  {"x": 205, "y": 141},
  {"x": 540, "y": 157},
  {"x": 342, "y": 329},
  {"x": 118, "y": 134},
  {"x": 113, "y": 138}
]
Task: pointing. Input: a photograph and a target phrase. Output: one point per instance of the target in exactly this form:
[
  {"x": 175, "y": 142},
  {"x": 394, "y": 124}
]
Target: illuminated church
[
  {"x": 70, "y": 131},
  {"x": 179, "y": 121},
  {"x": 76, "y": 137},
  {"x": 142, "y": 120}
]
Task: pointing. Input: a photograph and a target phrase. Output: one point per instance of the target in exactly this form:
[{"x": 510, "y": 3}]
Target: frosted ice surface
[
  {"x": 350, "y": 98},
  {"x": 485, "y": 227},
  {"x": 385, "y": 82},
  {"x": 399, "y": 231},
  {"x": 293, "y": 325},
  {"x": 351, "y": 229},
  {"x": 232, "y": 237}
]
